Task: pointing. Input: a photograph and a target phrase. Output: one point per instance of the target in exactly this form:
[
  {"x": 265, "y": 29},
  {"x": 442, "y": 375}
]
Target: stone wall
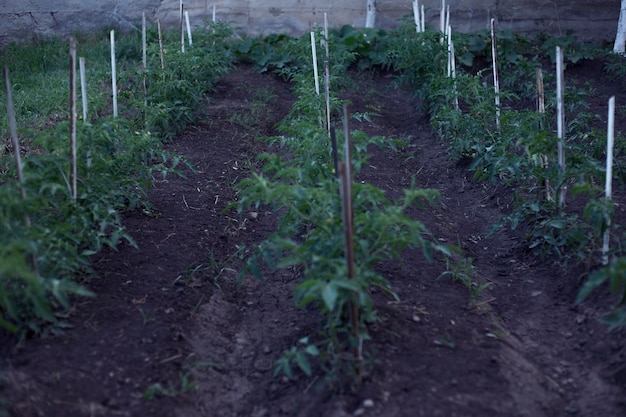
[{"x": 25, "y": 19}]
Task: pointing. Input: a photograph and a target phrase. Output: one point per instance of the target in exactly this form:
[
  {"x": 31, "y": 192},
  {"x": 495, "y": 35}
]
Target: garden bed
[
  {"x": 236, "y": 299},
  {"x": 170, "y": 333}
]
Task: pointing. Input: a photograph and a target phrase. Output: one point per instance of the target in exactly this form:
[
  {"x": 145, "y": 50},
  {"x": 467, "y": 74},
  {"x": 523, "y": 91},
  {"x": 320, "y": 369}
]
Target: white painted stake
[
  {"x": 442, "y": 18},
  {"x": 83, "y": 95},
  {"x": 608, "y": 190},
  {"x": 113, "y": 74},
  {"x": 423, "y": 20},
  {"x": 442, "y": 21},
  {"x": 447, "y": 22},
  {"x": 144, "y": 61},
  {"x": 620, "y": 37},
  {"x": 326, "y": 40},
  {"x": 453, "y": 72},
  {"x": 188, "y": 28},
  {"x": 416, "y": 16},
  {"x": 370, "y": 17},
  {"x": 449, "y": 40},
  {"x": 180, "y": 11},
  {"x": 315, "y": 73},
  {"x": 161, "y": 44},
  {"x": 182, "y": 30},
  {"x": 560, "y": 125},
  {"x": 214, "y": 16},
  {"x": 494, "y": 67},
  {"x": 73, "y": 170},
  {"x": 83, "y": 85},
  {"x": 541, "y": 109}
]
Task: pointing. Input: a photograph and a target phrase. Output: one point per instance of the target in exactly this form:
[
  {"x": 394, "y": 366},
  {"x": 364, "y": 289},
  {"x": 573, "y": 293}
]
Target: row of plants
[
  {"x": 520, "y": 150},
  {"x": 520, "y": 153},
  {"x": 46, "y": 237},
  {"x": 298, "y": 177}
]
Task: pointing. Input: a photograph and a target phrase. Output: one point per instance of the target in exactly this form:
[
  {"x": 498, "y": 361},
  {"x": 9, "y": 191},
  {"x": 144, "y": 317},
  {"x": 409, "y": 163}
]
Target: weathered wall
[{"x": 587, "y": 19}]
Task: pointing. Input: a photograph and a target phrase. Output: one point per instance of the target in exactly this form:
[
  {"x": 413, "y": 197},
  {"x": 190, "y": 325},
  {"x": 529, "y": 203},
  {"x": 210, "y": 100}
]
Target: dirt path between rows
[{"x": 171, "y": 334}]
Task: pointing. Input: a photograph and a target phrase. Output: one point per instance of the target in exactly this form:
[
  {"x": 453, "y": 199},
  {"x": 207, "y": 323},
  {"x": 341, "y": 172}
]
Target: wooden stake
[
  {"x": 315, "y": 71},
  {"x": 214, "y": 16},
  {"x": 346, "y": 196},
  {"x": 496, "y": 79},
  {"x": 161, "y": 44},
  {"x": 423, "y": 20},
  {"x": 113, "y": 74},
  {"x": 73, "y": 170},
  {"x": 14, "y": 140},
  {"x": 333, "y": 144},
  {"x": 560, "y": 92},
  {"x": 16, "y": 152},
  {"x": 327, "y": 93},
  {"x": 608, "y": 189}
]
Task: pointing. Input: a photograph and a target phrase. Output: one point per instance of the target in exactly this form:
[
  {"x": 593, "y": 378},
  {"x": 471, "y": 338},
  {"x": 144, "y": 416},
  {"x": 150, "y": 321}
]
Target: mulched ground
[{"x": 171, "y": 334}]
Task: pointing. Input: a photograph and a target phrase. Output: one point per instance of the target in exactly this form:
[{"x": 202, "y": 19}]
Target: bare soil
[{"x": 170, "y": 312}]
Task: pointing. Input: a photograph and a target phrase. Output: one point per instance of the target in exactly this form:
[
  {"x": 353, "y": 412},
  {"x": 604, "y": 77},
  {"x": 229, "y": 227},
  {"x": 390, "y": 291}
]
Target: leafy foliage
[
  {"x": 46, "y": 238},
  {"x": 615, "y": 276},
  {"x": 298, "y": 180}
]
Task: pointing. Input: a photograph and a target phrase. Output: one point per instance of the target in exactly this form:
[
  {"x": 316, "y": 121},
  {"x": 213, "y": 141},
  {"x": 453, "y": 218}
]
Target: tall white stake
[
  {"x": 453, "y": 70},
  {"x": 560, "y": 125},
  {"x": 73, "y": 170},
  {"x": 448, "y": 38},
  {"x": 113, "y": 74},
  {"x": 83, "y": 85},
  {"x": 416, "y": 16},
  {"x": 315, "y": 73},
  {"x": 541, "y": 108},
  {"x": 144, "y": 61},
  {"x": 370, "y": 17},
  {"x": 442, "y": 20},
  {"x": 188, "y": 28},
  {"x": 496, "y": 79},
  {"x": 182, "y": 29},
  {"x": 161, "y": 44},
  {"x": 423, "y": 19},
  {"x": 83, "y": 95},
  {"x": 326, "y": 45},
  {"x": 608, "y": 190},
  {"x": 214, "y": 16}
]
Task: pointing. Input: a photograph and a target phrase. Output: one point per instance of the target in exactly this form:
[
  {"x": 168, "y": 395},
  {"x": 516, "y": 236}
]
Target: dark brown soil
[{"x": 171, "y": 313}]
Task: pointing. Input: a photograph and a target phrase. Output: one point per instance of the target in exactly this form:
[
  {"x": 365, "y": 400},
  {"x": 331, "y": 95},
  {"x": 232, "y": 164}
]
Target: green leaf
[
  {"x": 329, "y": 295},
  {"x": 303, "y": 363},
  {"x": 312, "y": 350}
]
